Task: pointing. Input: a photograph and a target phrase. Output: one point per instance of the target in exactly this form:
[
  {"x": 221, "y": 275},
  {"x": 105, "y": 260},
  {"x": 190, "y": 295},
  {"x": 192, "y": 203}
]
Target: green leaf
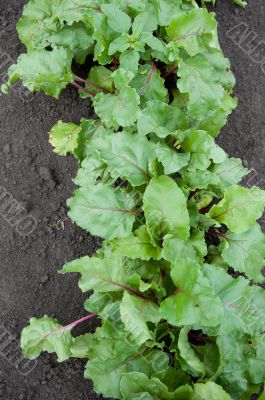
[
  {"x": 194, "y": 303},
  {"x": 243, "y": 305},
  {"x": 103, "y": 211},
  {"x": 44, "y": 334},
  {"x": 129, "y": 60},
  {"x": 120, "y": 44},
  {"x": 165, "y": 209},
  {"x": 210, "y": 391},
  {"x": 217, "y": 118},
  {"x": 100, "y": 76},
  {"x": 64, "y": 137},
  {"x": 128, "y": 157},
  {"x": 118, "y": 110},
  {"x": 203, "y": 149},
  {"x": 149, "y": 84},
  {"x": 192, "y": 30},
  {"x": 190, "y": 362},
  {"x": 49, "y": 71},
  {"x": 171, "y": 159},
  {"x": 117, "y": 19},
  {"x": 243, "y": 364},
  {"x": 81, "y": 345},
  {"x": 230, "y": 171},
  {"x": 240, "y": 208},
  {"x": 137, "y": 386},
  {"x": 199, "y": 79},
  {"x": 245, "y": 252},
  {"x": 199, "y": 179},
  {"x": 161, "y": 119},
  {"x": 135, "y": 313},
  {"x": 137, "y": 246}
]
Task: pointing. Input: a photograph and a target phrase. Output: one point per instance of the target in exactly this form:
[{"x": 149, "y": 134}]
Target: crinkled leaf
[
  {"x": 44, "y": 334},
  {"x": 137, "y": 386},
  {"x": 49, "y": 71},
  {"x": 121, "y": 109},
  {"x": 161, "y": 119},
  {"x": 64, "y": 137}
]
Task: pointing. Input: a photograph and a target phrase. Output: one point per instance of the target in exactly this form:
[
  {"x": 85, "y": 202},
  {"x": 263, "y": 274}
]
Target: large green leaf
[
  {"x": 49, "y": 71},
  {"x": 230, "y": 171},
  {"x": 165, "y": 209},
  {"x": 117, "y": 19},
  {"x": 103, "y": 211},
  {"x": 199, "y": 79},
  {"x": 101, "y": 275},
  {"x": 44, "y": 334},
  {"x": 240, "y": 208},
  {"x": 128, "y": 156},
  {"x": 192, "y": 30},
  {"x": 194, "y": 302},
  {"x": 245, "y": 252}
]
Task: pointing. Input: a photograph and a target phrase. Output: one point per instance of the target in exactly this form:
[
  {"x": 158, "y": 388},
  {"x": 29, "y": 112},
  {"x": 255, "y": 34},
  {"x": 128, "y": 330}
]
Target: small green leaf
[
  {"x": 129, "y": 60},
  {"x": 165, "y": 209},
  {"x": 171, "y": 159},
  {"x": 64, "y": 137}
]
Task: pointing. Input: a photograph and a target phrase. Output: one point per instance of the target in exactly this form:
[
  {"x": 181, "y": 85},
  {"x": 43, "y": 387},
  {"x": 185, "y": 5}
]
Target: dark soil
[{"x": 41, "y": 181}]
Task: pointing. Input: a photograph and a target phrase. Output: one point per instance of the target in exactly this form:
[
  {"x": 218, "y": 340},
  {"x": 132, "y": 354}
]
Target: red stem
[
  {"x": 70, "y": 326},
  {"x": 171, "y": 71},
  {"x": 82, "y": 88},
  {"x": 215, "y": 233},
  {"x": 147, "y": 83},
  {"x": 92, "y": 84}
]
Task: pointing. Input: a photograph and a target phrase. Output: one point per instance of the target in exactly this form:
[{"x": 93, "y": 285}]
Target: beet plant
[{"x": 177, "y": 281}]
